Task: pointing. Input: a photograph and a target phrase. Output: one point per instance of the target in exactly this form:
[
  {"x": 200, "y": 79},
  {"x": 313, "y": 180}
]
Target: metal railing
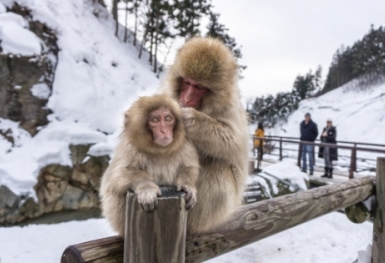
[{"x": 352, "y": 147}]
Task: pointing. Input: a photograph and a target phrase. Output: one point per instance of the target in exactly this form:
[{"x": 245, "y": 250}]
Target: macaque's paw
[
  {"x": 188, "y": 114},
  {"x": 190, "y": 196},
  {"x": 148, "y": 198}
]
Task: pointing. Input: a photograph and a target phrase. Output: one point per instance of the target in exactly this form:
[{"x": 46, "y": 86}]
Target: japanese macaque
[
  {"x": 153, "y": 151},
  {"x": 203, "y": 79}
]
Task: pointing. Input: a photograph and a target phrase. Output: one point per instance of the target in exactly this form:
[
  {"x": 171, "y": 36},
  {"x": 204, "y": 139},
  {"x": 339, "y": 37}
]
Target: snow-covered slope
[
  {"x": 358, "y": 114},
  {"x": 96, "y": 79}
]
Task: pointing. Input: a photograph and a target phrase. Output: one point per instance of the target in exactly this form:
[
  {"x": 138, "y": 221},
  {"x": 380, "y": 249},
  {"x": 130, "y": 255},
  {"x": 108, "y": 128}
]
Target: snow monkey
[
  {"x": 203, "y": 78},
  {"x": 153, "y": 150}
]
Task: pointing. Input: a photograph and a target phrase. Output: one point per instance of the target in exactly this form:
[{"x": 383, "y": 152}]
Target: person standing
[
  {"x": 309, "y": 133},
  {"x": 329, "y": 154},
  {"x": 258, "y": 143}
]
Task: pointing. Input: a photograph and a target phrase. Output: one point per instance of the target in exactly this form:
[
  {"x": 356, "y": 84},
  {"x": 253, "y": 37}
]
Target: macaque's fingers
[
  {"x": 188, "y": 115},
  {"x": 179, "y": 188},
  {"x": 149, "y": 199},
  {"x": 145, "y": 207},
  {"x": 158, "y": 193},
  {"x": 151, "y": 206},
  {"x": 189, "y": 197},
  {"x": 190, "y": 203}
]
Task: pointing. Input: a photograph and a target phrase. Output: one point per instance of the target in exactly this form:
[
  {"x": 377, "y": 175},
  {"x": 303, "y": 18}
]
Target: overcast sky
[{"x": 282, "y": 39}]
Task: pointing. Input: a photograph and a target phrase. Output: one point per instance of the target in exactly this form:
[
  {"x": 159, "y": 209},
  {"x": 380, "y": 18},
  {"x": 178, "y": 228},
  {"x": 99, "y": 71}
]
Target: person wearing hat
[
  {"x": 329, "y": 154},
  {"x": 309, "y": 133}
]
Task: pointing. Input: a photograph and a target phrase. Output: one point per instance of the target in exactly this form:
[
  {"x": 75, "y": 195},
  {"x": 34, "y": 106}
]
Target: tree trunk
[
  {"x": 125, "y": 23},
  {"x": 115, "y": 15}
]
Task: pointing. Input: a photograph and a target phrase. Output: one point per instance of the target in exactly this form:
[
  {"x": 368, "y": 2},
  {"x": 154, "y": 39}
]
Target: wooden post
[
  {"x": 280, "y": 149},
  {"x": 353, "y": 161},
  {"x": 378, "y": 247},
  {"x": 299, "y": 155},
  {"x": 159, "y": 236},
  {"x": 248, "y": 224}
]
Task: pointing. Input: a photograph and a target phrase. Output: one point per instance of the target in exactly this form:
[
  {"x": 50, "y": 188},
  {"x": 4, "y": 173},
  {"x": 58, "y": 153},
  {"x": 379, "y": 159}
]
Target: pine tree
[{"x": 187, "y": 15}]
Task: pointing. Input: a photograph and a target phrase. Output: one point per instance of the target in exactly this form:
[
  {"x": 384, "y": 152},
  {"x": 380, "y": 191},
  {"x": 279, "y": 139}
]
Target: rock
[
  {"x": 79, "y": 153},
  {"x": 8, "y": 198},
  {"x": 18, "y": 74},
  {"x": 71, "y": 198}
]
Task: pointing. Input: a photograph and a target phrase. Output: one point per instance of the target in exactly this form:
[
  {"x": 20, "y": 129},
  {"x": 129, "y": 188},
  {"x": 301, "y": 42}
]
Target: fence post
[
  {"x": 159, "y": 236},
  {"x": 280, "y": 148},
  {"x": 353, "y": 162},
  {"x": 299, "y": 155},
  {"x": 378, "y": 249}
]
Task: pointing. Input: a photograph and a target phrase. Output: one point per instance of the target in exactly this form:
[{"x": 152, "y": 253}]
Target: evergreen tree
[{"x": 187, "y": 15}]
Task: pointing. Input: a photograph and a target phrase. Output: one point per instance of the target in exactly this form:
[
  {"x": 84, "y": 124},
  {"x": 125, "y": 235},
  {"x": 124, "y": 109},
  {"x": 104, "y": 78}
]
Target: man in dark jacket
[{"x": 309, "y": 133}]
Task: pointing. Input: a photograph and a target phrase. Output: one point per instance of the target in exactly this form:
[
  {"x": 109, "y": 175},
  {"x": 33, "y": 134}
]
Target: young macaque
[{"x": 152, "y": 151}]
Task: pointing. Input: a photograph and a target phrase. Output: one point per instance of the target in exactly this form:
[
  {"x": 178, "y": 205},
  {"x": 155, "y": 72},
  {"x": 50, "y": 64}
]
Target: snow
[
  {"x": 288, "y": 170},
  {"x": 96, "y": 79},
  {"x": 41, "y": 90},
  {"x": 331, "y": 238},
  {"x": 15, "y": 37}
]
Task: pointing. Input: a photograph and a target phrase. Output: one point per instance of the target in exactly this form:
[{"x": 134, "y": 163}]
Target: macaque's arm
[
  {"x": 130, "y": 178},
  {"x": 209, "y": 136}
]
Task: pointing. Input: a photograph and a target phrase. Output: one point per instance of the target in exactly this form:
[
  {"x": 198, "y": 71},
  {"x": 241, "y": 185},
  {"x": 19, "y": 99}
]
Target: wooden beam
[
  {"x": 248, "y": 224},
  {"x": 378, "y": 247}
]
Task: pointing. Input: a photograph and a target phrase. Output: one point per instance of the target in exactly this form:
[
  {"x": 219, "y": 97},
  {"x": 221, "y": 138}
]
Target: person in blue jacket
[{"x": 309, "y": 133}]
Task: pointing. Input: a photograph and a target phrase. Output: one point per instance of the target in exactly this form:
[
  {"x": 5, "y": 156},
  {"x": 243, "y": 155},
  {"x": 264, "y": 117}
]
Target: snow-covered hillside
[
  {"x": 96, "y": 78},
  {"x": 358, "y": 114}
]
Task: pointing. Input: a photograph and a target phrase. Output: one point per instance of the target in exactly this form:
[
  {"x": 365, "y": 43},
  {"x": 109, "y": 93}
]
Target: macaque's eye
[
  {"x": 199, "y": 87},
  {"x": 168, "y": 118},
  {"x": 155, "y": 119}
]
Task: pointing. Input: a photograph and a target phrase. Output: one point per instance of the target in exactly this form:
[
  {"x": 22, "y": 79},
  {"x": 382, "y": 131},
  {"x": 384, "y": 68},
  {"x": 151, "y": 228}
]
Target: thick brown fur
[
  {"x": 218, "y": 129},
  {"x": 141, "y": 166}
]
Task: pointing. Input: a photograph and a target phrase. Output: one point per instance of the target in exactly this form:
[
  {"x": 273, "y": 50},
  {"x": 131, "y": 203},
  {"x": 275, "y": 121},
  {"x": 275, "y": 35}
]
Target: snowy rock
[
  {"x": 15, "y": 38},
  {"x": 275, "y": 180}
]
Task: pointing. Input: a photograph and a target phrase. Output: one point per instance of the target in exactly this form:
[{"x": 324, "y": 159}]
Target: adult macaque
[
  {"x": 203, "y": 79},
  {"x": 153, "y": 150}
]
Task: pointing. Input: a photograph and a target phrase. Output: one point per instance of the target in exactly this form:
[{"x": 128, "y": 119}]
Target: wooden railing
[
  {"x": 161, "y": 236},
  {"x": 353, "y": 148}
]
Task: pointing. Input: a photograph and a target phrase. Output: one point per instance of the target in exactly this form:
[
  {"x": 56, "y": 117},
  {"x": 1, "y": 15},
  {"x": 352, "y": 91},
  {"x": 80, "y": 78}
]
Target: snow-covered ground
[
  {"x": 331, "y": 238},
  {"x": 96, "y": 79}
]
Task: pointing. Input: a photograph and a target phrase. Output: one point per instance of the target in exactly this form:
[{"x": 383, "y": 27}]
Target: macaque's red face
[
  {"x": 161, "y": 123},
  {"x": 191, "y": 93}
]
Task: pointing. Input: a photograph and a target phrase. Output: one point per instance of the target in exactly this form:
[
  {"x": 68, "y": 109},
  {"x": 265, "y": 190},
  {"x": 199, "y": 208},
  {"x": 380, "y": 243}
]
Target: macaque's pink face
[
  {"x": 191, "y": 93},
  {"x": 161, "y": 123}
]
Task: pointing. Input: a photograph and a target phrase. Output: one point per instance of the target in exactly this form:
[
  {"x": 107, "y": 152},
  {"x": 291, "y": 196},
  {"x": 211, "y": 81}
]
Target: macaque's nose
[
  {"x": 187, "y": 95},
  {"x": 163, "y": 128}
]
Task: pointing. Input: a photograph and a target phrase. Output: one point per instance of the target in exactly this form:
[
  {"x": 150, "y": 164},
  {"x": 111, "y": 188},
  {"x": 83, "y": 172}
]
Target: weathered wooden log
[
  {"x": 159, "y": 236},
  {"x": 378, "y": 247},
  {"x": 248, "y": 224}
]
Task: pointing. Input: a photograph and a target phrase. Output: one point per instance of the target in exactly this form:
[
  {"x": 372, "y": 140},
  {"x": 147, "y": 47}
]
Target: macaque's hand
[
  {"x": 148, "y": 194},
  {"x": 190, "y": 196},
  {"x": 188, "y": 114}
]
